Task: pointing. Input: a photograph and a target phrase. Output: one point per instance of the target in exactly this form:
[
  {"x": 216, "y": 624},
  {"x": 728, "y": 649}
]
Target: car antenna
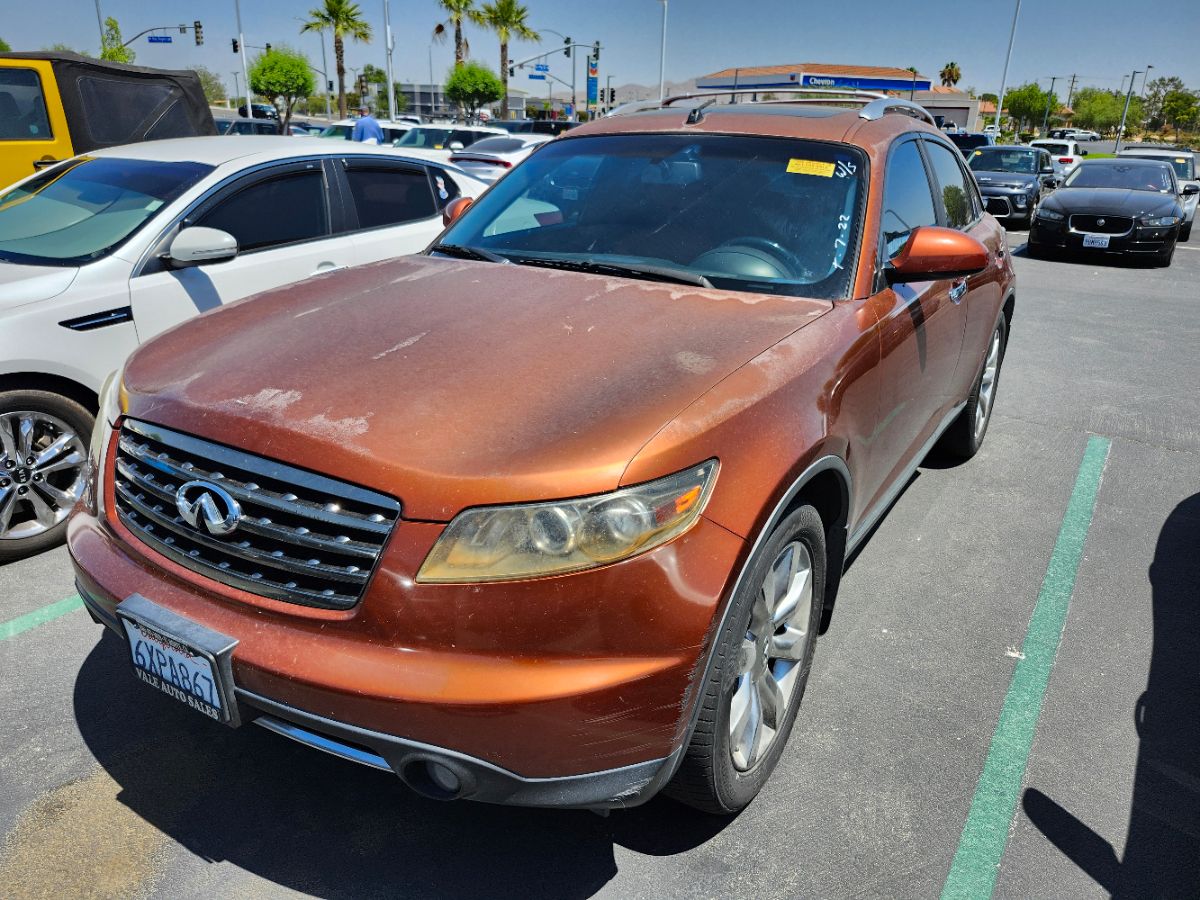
[{"x": 697, "y": 113}]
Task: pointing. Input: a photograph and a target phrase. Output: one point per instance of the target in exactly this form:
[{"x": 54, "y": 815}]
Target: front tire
[
  {"x": 43, "y": 469},
  {"x": 1186, "y": 232},
  {"x": 965, "y": 436},
  {"x": 1163, "y": 260},
  {"x": 763, "y": 659}
]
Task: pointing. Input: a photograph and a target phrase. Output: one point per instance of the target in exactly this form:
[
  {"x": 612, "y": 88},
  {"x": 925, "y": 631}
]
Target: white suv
[
  {"x": 1184, "y": 164},
  {"x": 104, "y": 251},
  {"x": 1066, "y": 154}
]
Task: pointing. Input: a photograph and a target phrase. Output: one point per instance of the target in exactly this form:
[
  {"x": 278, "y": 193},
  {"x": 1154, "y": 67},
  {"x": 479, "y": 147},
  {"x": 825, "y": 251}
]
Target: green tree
[
  {"x": 64, "y": 48},
  {"x": 457, "y": 11},
  {"x": 214, "y": 89},
  {"x": 950, "y": 74},
  {"x": 1181, "y": 109},
  {"x": 1028, "y": 103},
  {"x": 1156, "y": 92},
  {"x": 509, "y": 19},
  {"x": 4, "y": 48},
  {"x": 111, "y": 46},
  {"x": 471, "y": 86},
  {"x": 345, "y": 20},
  {"x": 991, "y": 98},
  {"x": 283, "y": 76},
  {"x": 1097, "y": 109}
]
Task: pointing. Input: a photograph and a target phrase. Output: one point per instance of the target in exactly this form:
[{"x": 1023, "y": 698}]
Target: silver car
[{"x": 1184, "y": 164}]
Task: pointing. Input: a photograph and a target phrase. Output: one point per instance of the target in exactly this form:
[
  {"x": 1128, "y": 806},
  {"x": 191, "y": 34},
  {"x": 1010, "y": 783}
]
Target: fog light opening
[{"x": 435, "y": 779}]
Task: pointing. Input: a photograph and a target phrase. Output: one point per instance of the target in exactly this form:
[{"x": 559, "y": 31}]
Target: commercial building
[
  {"x": 430, "y": 100},
  {"x": 816, "y": 75}
]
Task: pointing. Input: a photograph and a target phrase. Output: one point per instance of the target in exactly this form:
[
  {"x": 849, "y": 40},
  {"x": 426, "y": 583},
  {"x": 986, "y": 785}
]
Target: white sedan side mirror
[{"x": 198, "y": 245}]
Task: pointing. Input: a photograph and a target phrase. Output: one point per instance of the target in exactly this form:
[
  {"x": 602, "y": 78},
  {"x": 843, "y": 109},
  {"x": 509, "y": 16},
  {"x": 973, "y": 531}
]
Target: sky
[{"x": 1099, "y": 40}]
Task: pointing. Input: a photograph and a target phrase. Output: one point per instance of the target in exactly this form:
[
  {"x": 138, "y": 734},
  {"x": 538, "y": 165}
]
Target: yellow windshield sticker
[
  {"x": 979, "y": 153},
  {"x": 1180, "y": 159},
  {"x": 810, "y": 167}
]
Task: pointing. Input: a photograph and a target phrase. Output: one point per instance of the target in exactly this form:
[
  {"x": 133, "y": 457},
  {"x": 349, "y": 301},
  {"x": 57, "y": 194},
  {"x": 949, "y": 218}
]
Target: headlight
[
  {"x": 1159, "y": 221},
  {"x": 112, "y": 407},
  {"x": 1050, "y": 215},
  {"x": 508, "y": 542},
  {"x": 1020, "y": 200}
]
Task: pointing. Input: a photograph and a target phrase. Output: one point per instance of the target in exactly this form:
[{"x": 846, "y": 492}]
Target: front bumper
[
  {"x": 1139, "y": 240},
  {"x": 1007, "y": 203},
  {"x": 591, "y": 718}
]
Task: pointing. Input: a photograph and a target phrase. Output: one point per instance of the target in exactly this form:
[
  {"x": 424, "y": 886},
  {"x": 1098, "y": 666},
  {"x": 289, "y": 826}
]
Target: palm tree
[
  {"x": 456, "y": 12},
  {"x": 950, "y": 74},
  {"x": 508, "y": 19},
  {"x": 345, "y": 20}
]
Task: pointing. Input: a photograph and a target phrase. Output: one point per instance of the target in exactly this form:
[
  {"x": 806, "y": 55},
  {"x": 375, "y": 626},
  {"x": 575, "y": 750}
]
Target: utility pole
[
  {"x": 1071, "y": 90},
  {"x": 389, "y": 44},
  {"x": 328, "y": 80},
  {"x": 237, "y": 8},
  {"x": 100, "y": 22},
  {"x": 1125, "y": 111},
  {"x": 237, "y": 91},
  {"x": 1049, "y": 101},
  {"x": 1007, "y": 59}
]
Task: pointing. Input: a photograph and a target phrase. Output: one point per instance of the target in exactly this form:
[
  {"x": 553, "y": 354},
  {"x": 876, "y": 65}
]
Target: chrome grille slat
[
  {"x": 272, "y": 530},
  {"x": 283, "y": 560}
]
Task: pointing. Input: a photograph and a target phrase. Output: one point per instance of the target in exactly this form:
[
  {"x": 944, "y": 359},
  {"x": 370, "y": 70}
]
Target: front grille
[
  {"x": 303, "y": 538},
  {"x": 998, "y": 206},
  {"x": 1112, "y": 224}
]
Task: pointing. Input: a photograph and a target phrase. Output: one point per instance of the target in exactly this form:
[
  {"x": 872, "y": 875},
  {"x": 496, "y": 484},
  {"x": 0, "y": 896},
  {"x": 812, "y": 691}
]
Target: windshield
[
  {"x": 964, "y": 141},
  {"x": 337, "y": 131},
  {"x": 766, "y": 215},
  {"x": 995, "y": 159},
  {"x": 80, "y": 211},
  {"x": 1184, "y": 166},
  {"x": 1054, "y": 149},
  {"x": 433, "y": 138},
  {"x": 1135, "y": 177}
]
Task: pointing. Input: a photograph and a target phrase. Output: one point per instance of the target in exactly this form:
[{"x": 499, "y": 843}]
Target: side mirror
[
  {"x": 1049, "y": 170},
  {"x": 1189, "y": 189},
  {"x": 197, "y": 245},
  {"x": 932, "y": 253},
  {"x": 457, "y": 145},
  {"x": 454, "y": 209}
]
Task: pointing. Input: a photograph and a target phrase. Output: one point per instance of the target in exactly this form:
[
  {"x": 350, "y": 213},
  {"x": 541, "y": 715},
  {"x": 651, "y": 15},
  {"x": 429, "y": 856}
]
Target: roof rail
[{"x": 874, "y": 105}]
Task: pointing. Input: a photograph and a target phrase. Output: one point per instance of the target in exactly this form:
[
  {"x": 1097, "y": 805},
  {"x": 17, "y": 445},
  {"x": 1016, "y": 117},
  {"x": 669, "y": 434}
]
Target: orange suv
[{"x": 551, "y": 514}]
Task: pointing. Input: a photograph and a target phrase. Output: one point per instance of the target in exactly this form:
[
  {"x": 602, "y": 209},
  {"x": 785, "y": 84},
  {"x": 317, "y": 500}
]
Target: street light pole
[
  {"x": 662, "y": 58},
  {"x": 1146, "y": 78},
  {"x": 1125, "y": 111},
  {"x": 237, "y": 91},
  {"x": 388, "y": 45},
  {"x": 1007, "y": 59},
  {"x": 100, "y": 22},
  {"x": 325, "y": 66},
  {"x": 237, "y": 7}
]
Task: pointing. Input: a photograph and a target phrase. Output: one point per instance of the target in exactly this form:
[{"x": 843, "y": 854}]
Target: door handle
[
  {"x": 326, "y": 267},
  {"x": 39, "y": 164},
  {"x": 958, "y": 290}
]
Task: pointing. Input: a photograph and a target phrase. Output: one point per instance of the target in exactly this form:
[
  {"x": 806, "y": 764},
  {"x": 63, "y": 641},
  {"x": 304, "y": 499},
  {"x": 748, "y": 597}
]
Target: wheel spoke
[
  {"x": 747, "y": 655},
  {"x": 46, "y": 515},
  {"x": 760, "y": 614},
  {"x": 8, "y": 502},
  {"x": 770, "y": 696},
  {"x": 25, "y": 429},
  {"x": 73, "y": 460},
  {"x": 798, "y": 596},
  {"x": 8, "y": 443},
  {"x": 59, "y": 499},
  {"x": 789, "y": 645},
  {"x": 60, "y": 446},
  {"x": 747, "y": 728}
]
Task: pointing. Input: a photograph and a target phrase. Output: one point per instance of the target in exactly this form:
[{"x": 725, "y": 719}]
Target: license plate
[
  {"x": 1095, "y": 240},
  {"x": 184, "y": 660}
]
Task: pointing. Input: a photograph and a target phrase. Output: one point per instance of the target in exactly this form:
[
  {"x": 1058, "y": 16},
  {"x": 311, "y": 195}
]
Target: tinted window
[
  {"x": 1056, "y": 149},
  {"x": 498, "y": 145},
  {"x": 22, "y": 108},
  {"x": 444, "y": 187},
  {"x": 81, "y": 210},
  {"x": 748, "y": 213},
  {"x": 1004, "y": 159},
  {"x": 389, "y": 196},
  {"x": 967, "y": 142},
  {"x": 118, "y": 110},
  {"x": 281, "y": 210},
  {"x": 1135, "y": 177},
  {"x": 955, "y": 185},
  {"x": 907, "y": 202},
  {"x": 432, "y": 138}
]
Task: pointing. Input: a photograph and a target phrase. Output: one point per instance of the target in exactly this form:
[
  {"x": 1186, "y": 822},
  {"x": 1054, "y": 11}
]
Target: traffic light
[
  {"x": 512, "y": 72},
  {"x": 235, "y": 45},
  {"x": 612, "y": 95},
  {"x": 567, "y": 47},
  {"x": 330, "y": 83},
  {"x": 198, "y": 32},
  {"x": 596, "y": 51}
]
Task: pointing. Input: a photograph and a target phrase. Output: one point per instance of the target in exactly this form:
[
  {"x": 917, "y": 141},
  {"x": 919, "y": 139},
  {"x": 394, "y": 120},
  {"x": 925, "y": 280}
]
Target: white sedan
[
  {"x": 106, "y": 250},
  {"x": 492, "y": 157},
  {"x": 438, "y": 142}
]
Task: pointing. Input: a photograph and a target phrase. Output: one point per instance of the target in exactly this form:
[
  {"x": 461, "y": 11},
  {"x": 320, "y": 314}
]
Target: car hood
[
  {"x": 1114, "y": 201},
  {"x": 451, "y": 383},
  {"x": 1004, "y": 179},
  {"x": 21, "y": 284}
]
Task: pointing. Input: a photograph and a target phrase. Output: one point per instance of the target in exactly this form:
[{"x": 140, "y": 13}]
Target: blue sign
[
  {"x": 537, "y": 77},
  {"x": 593, "y": 90},
  {"x": 159, "y": 39},
  {"x": 542, "y": 67},
  {"x": 863, "y": 84}
]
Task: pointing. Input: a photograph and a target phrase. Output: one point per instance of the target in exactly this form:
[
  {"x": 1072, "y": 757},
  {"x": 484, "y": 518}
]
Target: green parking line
[
  {"x": 13, "y": 627},
  {"x": 977, "y": 860}
]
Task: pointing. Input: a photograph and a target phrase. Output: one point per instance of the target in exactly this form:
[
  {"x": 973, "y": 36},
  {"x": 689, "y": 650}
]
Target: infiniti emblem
[
  {"x": 1100, "y": 222},
  {"x": 205, "y": 506}
]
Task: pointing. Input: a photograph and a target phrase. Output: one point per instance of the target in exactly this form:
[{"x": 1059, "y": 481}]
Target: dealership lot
[{"x": 113, "y": 788}]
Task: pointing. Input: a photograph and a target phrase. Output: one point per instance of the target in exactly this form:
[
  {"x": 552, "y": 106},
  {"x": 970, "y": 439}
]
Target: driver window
[{"x": 907, "y": 200}]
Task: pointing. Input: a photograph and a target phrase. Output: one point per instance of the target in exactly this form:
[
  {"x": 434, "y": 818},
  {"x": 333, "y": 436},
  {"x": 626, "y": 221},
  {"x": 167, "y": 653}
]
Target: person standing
[{"x": 367, "y": 129}]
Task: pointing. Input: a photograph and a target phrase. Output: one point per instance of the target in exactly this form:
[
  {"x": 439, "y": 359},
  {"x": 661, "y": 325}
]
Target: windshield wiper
[
  {"x": 673, "y": 274},
  {"x": 463, "y": 252}
]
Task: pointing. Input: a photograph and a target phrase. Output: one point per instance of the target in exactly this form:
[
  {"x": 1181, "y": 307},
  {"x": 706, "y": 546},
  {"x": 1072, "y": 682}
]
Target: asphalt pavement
[{"x": 1080, "y": 516}]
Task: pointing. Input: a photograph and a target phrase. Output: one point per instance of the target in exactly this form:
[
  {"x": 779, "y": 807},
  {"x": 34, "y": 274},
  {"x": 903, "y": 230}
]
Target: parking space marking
[
  {"x": 985, "y": 834},
  {"x": 13, "y": 627}
]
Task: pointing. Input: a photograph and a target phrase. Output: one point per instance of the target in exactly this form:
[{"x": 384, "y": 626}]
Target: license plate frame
[
  {"x": 1096, "y": 241},
  {"x": 172, "y": 648}
]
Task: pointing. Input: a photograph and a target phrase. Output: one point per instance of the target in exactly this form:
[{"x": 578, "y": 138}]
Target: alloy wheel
[
  {"x": 42, "y": 473},
  {"x": 987, "y": 385},
  {"x": 770, "y": 656}
]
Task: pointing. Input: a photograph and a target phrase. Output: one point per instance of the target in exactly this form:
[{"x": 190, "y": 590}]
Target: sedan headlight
[
  {"x": 1050, "y": 215},
  {"x": 507, "y": 542},
  {"x": 1159, "y": 221}
]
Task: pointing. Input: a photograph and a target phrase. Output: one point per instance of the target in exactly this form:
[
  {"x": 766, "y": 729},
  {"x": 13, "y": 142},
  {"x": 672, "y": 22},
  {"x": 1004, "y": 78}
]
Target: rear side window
[
  {"x": 117, "y": 110},
  {"x": 281, "y": 210},
  {"x": 955, "y": 186},
  {"x": 22, "y": 107},
  {"x": 907, "y": 202},
  {"x": 386, "y": 195}
]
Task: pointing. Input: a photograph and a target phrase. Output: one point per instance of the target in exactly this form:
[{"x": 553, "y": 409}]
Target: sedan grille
[
  {"x": 998, "y": 206},
  {"x": 302, "y": 538},
  {"x": 1102, "y": 224}
]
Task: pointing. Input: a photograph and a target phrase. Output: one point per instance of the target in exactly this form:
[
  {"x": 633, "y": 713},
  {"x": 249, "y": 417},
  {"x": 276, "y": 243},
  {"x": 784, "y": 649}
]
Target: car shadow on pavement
[
  {"x": 317, "y": 824},
  {"x": 1080, "y": 258},
  {"x": 1162, "y": 848}
]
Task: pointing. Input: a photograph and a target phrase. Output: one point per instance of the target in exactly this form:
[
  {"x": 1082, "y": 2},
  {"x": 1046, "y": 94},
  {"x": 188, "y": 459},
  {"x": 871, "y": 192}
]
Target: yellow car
[{"x": 56, "y": 105}]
